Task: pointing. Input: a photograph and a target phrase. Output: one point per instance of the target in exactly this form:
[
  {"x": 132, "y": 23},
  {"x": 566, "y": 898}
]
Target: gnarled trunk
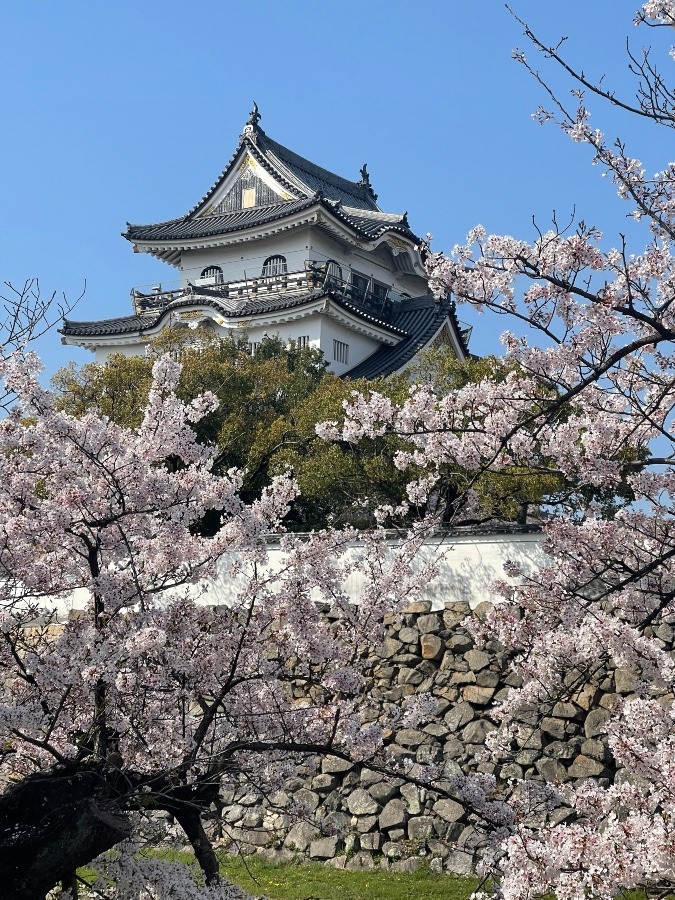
[{"x": 51, "y": 824}]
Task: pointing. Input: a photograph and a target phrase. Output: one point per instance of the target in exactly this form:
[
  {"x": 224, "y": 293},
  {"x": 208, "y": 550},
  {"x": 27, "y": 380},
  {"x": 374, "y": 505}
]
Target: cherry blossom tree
[
  {"x": 592, "y": 400},
  {"x": 146, "y": 700}
]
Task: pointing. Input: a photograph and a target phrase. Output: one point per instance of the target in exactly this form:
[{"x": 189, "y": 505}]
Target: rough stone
[
  {"x": 411, "y": 864},
  {"x": 336, "y": 823},
  {"x": 431, "y": 646},
  {"x": 477, "y": 659},
  {"x": 301, "y": 835},
  {"x": 392, "y": 849},
  {"x": 410, "y": 737},
  {"x": 595, "y": 749},
  {"x": 459, "y": 715},
  {"x": 595, "y": 722},
  {"x": 383, "y": 791},
  {"x": 252, "y": 818},
  {"x": 334, "y": 765},
  {"x": 476, "y": 731},
  {"x": 624, "y": 681},
  {"x": 455, "y": 613},
  {"x": 309, "y": 799},
  {"x": 393, "y": 815},
  {"x": 409, "y": 635},
  {"x": 324, "y": 782},
  {"x": 561, "y": 749},
  {"x": 485, "y": 678},
  {"x": 587, "y": 696},
  {"x": 390, "y": 647},
  {"x": 420, "y": 828},
  {"x": 411, "y": 795},
  {"x": 567, "y": 711},
  {"x": 480, "y": 696},
  {"x": 554, "y": 727},
  {"x": 371, "y": 841},
  {"x": 430, "y": 623},
  {"x": 459, "y": 862},
  {"x": 364, "y": 824},
  {"x": 360, "y": 803},
  {"x": 551, "y": 770},
  {"x": 448, "y": 810},
  {"x": 408, "y": 675},
  {"x": 323, "y": 848},
  {"x": 585, "y": 767},
  {"x": 360, "y": 861}
]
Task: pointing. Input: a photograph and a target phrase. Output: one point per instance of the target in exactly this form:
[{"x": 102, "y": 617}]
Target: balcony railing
[{"x": 315, "y": 277}]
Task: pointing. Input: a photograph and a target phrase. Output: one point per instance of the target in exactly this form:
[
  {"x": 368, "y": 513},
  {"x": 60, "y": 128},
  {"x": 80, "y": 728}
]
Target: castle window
[
  {"x": 359, "y": 286},
  {"x": 214, "y": 274},
  {"x": 333, "y": 273},
  {"x": 380, "y": 291},
  {"x": 274, "y": 266},
  {"x": 302, "y": 341},
  {"x": 340, "y": 352}
]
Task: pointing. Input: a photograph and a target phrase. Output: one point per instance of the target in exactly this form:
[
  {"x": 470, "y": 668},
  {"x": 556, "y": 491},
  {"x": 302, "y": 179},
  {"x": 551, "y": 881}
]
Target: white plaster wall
[
  {"x": 308, "y": 326},
  {"x": 467, "y": 565},
  {"x": 101, "y": 354},
  {"x": 360, "y": 346},
  {"x": 245, "y": 260},
  {"x": 372, "y": 264}
]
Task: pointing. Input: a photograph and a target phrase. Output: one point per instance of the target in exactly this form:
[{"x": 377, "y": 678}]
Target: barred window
[
  {"x": 340, "y": 352},
  {"x": 302, "y": 341},
  {"x": 214, "y": 272},
  {"x": 274, "y": 266},
  {"x": 333, "y": 273},
  {"x": 359, "y": 286}
]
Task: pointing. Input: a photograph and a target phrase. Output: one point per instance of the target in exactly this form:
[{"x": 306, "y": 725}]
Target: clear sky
[{"x": 129, "y": 110}]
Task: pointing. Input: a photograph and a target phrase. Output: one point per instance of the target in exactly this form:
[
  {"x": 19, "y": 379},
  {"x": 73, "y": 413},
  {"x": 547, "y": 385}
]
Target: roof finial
[
  {"x": 250, "y": 130},
  {"x": 365, "y": 181},
  {"x": 254, "y": 116}
]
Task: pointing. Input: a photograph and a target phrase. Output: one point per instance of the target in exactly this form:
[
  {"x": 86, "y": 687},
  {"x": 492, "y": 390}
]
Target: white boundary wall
[{"x": 467, "y": 564}]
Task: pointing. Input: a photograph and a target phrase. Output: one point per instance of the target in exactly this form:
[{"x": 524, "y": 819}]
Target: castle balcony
[{"x": 316, "y": 277}]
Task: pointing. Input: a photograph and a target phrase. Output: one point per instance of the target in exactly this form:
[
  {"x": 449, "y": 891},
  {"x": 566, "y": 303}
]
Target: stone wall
[{"x": 361, "y": 820}]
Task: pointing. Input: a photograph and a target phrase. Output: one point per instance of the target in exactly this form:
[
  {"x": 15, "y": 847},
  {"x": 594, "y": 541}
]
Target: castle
[{"x": 280, "y": 247}]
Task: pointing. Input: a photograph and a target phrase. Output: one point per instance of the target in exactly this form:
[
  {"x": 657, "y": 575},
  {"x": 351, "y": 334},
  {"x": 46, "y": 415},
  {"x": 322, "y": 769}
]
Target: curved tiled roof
[
  {"x": 315, "y": 179},
  {"x": 420, "y": 318},
  {"x": 352, "y": 202},
  {"x": 368, "y": 227},
  {"x": 225, "y": 307},
  {"x": 206, "y": 226},
  {"x": 104, "y": 327}
]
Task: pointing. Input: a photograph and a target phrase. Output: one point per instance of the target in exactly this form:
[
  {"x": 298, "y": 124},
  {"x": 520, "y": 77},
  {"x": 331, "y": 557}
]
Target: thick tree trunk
[
  {"x": 190, "y": 821},
  {"x": 51, "y": 824}
]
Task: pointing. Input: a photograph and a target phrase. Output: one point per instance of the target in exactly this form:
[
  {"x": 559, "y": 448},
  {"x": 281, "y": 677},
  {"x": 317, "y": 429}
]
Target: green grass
[
  {"x": 318, "y": 882},
  {"x": 314, "y": 881}
]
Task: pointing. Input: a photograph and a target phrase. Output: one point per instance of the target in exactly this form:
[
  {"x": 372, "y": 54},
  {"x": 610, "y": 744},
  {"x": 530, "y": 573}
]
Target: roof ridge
[
  {"x": 373, "y": 213},
  {"x": 358, "y": 189}
]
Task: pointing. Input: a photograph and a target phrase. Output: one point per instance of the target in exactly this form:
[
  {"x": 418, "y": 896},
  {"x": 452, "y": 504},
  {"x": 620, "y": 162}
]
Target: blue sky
[{"x": 129, "y": 110}]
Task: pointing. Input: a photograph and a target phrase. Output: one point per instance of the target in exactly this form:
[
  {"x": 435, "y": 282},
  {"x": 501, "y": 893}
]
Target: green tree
[{"x": 269, "y": 407}]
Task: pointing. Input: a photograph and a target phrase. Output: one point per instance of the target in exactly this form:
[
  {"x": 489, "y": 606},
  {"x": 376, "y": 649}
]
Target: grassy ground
[
  {"x": 314, "y": 881},
  {"x": 319, "y": 882}
]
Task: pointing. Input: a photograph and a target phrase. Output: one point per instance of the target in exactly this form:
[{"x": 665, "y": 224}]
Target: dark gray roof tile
[
  {"x": 420, "y": 318},
  {"x": 315, "y": 178},
  {"x": 206, "y": 226},
  {"x": 226, "y": 307}
]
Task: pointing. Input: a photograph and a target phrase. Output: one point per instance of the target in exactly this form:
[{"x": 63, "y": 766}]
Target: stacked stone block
[{"x": 359, "y": 819}]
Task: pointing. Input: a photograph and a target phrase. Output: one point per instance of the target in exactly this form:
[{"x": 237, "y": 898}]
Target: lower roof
[{"x": 415, "y": 323}]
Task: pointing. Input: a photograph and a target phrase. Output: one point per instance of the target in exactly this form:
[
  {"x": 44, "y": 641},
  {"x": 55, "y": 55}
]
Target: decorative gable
[{"x": 252, "y": 187}]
